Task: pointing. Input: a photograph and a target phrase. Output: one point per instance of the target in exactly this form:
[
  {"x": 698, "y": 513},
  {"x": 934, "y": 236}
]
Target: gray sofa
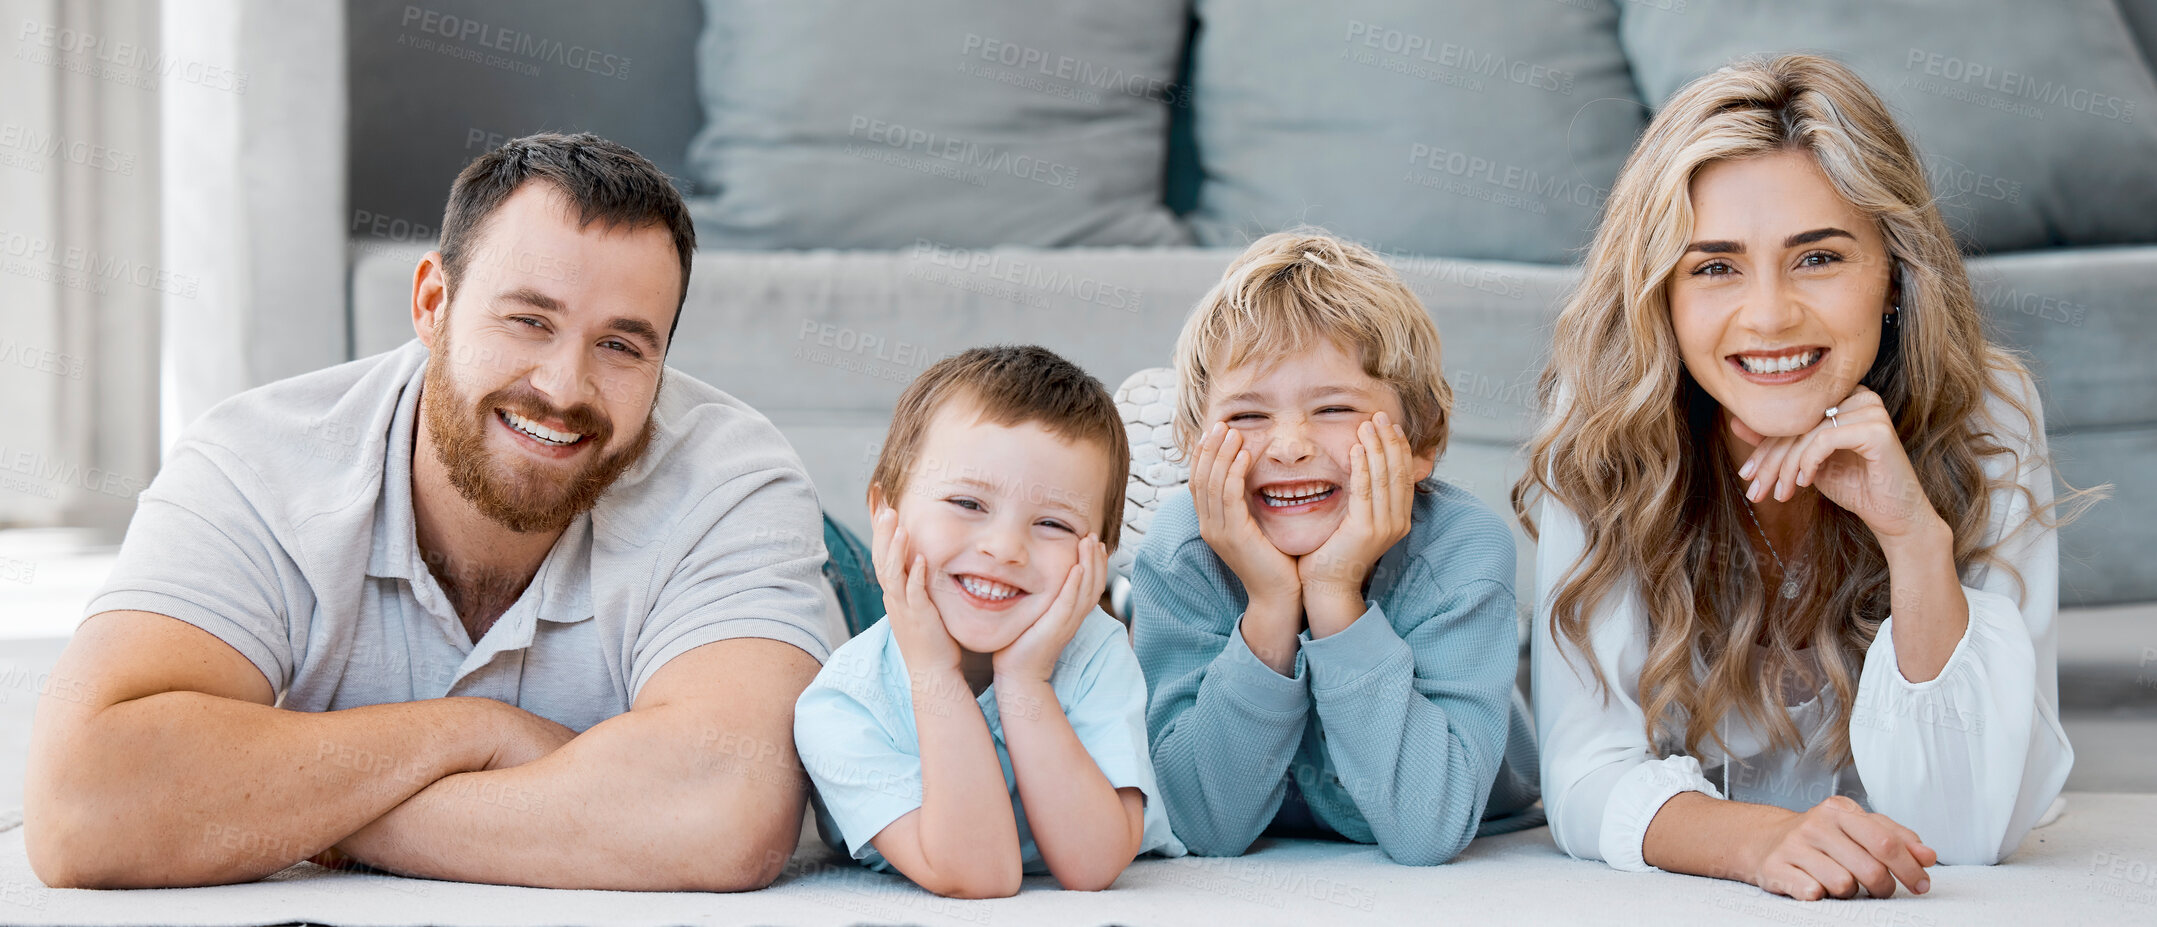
[{"x": 822, "y": 340}]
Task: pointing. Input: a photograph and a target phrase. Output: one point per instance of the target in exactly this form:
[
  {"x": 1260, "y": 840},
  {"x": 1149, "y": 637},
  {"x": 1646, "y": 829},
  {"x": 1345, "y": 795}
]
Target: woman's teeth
[
  {"x": 1295, "y": 494},
  {"x": 1783, "y": 364},
  {"x": 988, "y": 588},
  {"x": 539, "y": 432}
]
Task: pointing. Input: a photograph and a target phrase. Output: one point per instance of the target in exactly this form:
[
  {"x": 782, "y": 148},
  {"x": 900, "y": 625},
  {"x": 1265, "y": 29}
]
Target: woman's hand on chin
[{"x": 1855, "y": 459}]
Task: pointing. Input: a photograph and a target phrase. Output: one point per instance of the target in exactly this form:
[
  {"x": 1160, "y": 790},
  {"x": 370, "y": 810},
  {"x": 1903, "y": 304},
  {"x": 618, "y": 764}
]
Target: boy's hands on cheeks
[
  {"x": 1032, "y": 658},
  {"x": 1381, "y": 502},
  {"x": 923, "y": 640},
  {"x": 1220, "y": 495}
]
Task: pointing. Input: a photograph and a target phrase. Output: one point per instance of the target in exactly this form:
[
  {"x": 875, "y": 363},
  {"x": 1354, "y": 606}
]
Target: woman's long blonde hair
[{"x": 1629, "y": 440}]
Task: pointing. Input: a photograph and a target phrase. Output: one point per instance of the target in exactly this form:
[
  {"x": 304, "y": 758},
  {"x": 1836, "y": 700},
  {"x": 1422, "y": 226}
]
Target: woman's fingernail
[
  {"x": 1746, "y": 472},
  {"x": 1753, "y": 491},
  {"x": 1924, "y": 885}
]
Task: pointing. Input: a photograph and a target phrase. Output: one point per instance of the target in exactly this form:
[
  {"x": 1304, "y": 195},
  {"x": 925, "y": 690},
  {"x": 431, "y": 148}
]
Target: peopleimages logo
[
  {"x": 1077, "y": 71},
  {"x": 992, "y": 158},
  {"x": 148, "y": 62},
  {"x": 1009, "y": 268},
  {"x": 2017, "y": 85},
  {"x": 471, "y": 32},
  {"x": 1459, "y": 57}
]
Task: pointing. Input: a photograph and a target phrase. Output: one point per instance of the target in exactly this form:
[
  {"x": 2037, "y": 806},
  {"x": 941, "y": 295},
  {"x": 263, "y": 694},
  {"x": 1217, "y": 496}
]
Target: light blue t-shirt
[{"x": 854, "y": 728}]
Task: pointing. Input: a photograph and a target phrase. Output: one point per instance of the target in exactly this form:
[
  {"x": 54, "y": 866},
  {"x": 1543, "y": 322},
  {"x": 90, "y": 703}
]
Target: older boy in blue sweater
[{"x": 1327, "y": 633}]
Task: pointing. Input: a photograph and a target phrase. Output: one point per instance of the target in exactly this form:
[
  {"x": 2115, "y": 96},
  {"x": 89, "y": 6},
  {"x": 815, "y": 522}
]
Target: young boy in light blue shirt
[
  {"x": 993, "y": 723},
  {"x": 1329, "y": 632}
]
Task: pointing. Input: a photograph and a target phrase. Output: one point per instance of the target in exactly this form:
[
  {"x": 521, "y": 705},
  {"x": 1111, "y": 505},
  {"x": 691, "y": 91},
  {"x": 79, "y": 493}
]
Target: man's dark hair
[{"x": 608, "y": 183}]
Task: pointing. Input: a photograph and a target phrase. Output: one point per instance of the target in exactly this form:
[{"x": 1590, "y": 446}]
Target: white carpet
[{"x": 2096, "y": 866}]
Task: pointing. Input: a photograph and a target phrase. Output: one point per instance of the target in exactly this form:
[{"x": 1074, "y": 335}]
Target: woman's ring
[{"x": 1832, "y": 422}]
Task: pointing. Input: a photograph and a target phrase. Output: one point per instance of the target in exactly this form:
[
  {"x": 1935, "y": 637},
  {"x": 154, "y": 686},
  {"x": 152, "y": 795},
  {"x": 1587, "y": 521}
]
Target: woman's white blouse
[{"x": 1969, "y": 759}]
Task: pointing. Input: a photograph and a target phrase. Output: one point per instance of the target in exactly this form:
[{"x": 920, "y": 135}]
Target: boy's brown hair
[
  {"x": 1287, "y": 291},
  {"x": 1011, "y": 385}
]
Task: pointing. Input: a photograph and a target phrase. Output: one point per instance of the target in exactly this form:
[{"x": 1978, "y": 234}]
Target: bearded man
[{"x": 502, "y": 605}]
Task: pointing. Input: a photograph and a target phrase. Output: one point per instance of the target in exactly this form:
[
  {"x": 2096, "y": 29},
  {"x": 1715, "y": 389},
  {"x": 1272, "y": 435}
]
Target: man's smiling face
[{"x": 545, "y": 363}]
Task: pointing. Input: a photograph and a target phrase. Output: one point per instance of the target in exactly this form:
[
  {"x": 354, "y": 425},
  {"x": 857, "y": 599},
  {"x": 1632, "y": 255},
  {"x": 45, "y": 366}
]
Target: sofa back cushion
[
  {"x": 836, "y": 124},
  {"x": 1445, "y": 127},
  {"x": 2035, "y": 120}
]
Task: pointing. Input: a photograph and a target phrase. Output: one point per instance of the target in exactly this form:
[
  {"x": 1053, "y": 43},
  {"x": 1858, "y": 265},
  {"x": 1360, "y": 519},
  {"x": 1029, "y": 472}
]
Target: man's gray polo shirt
[{"x": 282, "y": 523}]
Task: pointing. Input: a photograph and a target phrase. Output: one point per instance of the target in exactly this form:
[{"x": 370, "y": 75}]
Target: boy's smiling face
[
  {"x": 998, "y": 511},
  {"x": 1298, "y": 417}
]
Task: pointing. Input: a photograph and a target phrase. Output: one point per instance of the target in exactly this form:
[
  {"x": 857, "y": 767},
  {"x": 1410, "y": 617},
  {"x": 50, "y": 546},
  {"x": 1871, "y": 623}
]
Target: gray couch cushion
[
  {"x": 2087, "y": 318},
  {"x": 868, "y": 125},
  {"x": 1468, "y": 129},
  {"x": 2035, "y": 120}
]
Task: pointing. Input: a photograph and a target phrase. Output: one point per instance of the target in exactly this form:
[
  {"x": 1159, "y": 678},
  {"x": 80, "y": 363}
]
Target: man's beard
[{"x": 521, "y": 498}]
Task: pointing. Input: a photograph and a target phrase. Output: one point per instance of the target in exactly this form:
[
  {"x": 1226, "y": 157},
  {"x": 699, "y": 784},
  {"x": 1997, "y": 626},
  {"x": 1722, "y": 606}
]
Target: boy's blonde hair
[
  {"x": 1293, "y": 289},
  {"x": 1011, "y": 385}
]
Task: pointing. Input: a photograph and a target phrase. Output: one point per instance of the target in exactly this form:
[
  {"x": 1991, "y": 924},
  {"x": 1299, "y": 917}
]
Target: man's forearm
[
  {"x": 184, "y": 788},
  {"x": 657, "y": 799}
]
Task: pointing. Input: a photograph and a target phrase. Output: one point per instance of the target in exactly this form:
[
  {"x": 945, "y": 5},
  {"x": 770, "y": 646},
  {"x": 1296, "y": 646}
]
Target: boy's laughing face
[
  {"x": 998, "y": 511},
  {"x": 1298, "y": 417}
]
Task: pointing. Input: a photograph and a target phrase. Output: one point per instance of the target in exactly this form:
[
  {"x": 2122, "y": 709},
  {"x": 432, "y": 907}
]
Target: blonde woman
[{"x": 1796, "y": 561}]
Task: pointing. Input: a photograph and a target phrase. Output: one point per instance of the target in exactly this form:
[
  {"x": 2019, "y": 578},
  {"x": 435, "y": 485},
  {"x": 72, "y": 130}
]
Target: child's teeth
[
  {"x": 1295, "y": 495},
  {"x": 987, "y": 589}
]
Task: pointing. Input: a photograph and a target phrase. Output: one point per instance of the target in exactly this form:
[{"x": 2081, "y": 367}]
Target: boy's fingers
[
  {"x": 1223, "y": 463},
  {"x": 1233, "y": 507},
  {"x": 1207, "y": 458},
  {"x": 917, "y": 585},
  {"x": 1231, "y": 448},
  {"x": 1400, "y": 486},
  {"x": 1381, "y": 471}
]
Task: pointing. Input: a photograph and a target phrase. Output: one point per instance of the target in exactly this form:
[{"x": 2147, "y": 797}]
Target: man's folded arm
[
  {"x": 696, "y": 788},
  {"x": 158, "y": 759}
]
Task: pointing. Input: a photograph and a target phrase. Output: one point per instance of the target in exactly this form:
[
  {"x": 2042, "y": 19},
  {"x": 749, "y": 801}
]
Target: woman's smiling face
[
  {"x": 1777, "y": 302},
  {"x": 1298, "y": 417}
]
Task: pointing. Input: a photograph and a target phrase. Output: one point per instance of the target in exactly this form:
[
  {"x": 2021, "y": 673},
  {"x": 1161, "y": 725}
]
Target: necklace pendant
[{"x": 1790, "y": 589}]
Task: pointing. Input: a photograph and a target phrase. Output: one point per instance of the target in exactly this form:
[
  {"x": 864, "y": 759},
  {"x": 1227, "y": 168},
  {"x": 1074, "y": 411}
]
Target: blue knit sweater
[{"x": 1402, "y": 729}]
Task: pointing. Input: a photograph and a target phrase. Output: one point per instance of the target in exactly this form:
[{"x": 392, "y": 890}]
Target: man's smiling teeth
[
  {"x": 1783, "y": 364},
  {"x": 988, "y": 588},
  {"x": 1288, "y": 494},
  {"x": 539, "y": 432}
]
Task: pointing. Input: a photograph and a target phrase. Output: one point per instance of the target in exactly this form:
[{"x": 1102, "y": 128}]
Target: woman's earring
[{"x": 1892, "y": 317}]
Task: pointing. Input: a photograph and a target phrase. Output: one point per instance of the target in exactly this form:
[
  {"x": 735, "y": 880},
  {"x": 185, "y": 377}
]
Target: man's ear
[
  {"x": 430, "y": 298},
  {"x": 1426, "y": 462}
]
